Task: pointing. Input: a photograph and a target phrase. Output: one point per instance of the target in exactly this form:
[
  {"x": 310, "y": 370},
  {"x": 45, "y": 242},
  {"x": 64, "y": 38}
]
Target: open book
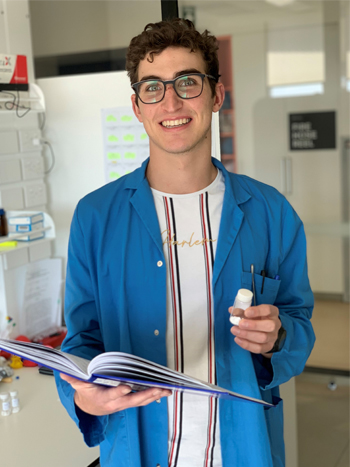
[{"x": 114, "y": 368}]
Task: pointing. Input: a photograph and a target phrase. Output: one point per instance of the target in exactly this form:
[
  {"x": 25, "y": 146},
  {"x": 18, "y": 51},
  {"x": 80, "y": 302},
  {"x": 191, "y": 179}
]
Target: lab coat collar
[
  {"x": 233, "y": 188},
  {"x": 231, "y": 219}
]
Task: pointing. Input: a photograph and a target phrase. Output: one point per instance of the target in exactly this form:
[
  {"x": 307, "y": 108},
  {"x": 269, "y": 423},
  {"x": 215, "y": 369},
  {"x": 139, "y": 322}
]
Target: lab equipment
[
  {"x": 5, "y": 404},
  {"x": 15, "y": 406},
  {"x": 3, "y": 223},
  {"x": 242, "y": 301}
]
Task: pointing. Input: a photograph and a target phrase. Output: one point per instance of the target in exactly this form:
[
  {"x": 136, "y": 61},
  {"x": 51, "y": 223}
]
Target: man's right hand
[{"x": 95, "y": 399}]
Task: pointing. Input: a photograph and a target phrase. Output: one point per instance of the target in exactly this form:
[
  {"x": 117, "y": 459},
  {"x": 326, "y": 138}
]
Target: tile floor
[
  {"x": 322, "y": 420},
  {"x": 322, "y": 414},
  {"x": 331, "y": 322}
]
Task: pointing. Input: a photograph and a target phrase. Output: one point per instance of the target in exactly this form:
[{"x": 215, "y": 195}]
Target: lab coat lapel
[
  {"x": 143, "y": 202},
  {"x": 231, "y": 218}
]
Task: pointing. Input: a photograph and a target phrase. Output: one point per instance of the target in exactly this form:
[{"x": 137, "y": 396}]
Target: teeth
[{"x": 173, "y": 123}]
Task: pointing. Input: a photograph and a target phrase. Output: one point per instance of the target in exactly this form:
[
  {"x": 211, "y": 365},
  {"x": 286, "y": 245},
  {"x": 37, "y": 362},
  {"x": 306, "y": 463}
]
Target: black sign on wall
[{"x": 310, "y": 131}]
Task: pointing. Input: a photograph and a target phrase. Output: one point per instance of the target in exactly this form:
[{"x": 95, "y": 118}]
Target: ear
[
  {"x": 136, "y": 108},
  {"x": 219, "y": 97}
]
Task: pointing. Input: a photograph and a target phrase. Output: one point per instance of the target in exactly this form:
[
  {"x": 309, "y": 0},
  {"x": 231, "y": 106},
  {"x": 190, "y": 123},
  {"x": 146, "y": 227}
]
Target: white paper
[
  {"x": 125, "y": 142},
  {"x": 42, "y": 294}
]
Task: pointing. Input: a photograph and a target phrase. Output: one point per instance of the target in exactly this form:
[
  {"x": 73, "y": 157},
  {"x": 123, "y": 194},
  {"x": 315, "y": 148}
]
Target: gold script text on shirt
[{"x": 184, "y": 242}]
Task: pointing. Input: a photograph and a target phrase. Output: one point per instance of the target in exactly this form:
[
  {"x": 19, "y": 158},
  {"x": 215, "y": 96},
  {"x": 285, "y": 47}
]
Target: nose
[{"x": 171, "y": 100}]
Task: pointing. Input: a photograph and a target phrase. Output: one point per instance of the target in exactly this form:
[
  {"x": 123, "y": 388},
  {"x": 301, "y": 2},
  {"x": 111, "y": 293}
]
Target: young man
[{"x": 155, "y": 261}]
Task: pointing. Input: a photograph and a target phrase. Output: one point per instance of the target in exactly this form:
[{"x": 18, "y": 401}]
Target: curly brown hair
[{"x": 176, "y": 32}]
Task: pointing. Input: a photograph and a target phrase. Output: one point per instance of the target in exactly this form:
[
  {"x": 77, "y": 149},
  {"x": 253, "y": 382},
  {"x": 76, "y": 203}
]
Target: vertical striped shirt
[{"x": 190, "y": 228}]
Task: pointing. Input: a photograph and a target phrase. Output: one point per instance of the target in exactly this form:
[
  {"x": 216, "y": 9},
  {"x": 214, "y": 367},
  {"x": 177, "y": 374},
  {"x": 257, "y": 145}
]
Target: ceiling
[{"x": 253, "y": 7}]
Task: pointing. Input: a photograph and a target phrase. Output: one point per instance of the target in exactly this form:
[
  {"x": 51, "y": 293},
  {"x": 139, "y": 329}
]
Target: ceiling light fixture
[{"x": 280, "y": 3}]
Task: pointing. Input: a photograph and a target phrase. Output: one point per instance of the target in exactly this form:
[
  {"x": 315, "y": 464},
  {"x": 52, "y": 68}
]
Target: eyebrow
[{"x": 188, "y": 71}]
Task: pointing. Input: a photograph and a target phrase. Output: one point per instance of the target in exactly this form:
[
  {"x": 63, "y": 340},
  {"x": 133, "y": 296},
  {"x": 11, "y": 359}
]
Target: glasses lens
[
  {"x": 151, "y": 92},
  {"x": 189, "y": 86}
]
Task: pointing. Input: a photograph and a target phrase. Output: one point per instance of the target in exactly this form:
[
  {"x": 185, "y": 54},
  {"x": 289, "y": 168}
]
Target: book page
[
  {"x": 45, "y": 356},
  {"x": 42, "y": 291}
]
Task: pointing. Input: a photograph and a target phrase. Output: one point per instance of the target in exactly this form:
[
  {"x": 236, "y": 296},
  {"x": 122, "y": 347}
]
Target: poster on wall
[
  {"x": 312, "y": 131},
  {"x": 125, "y": 142}
]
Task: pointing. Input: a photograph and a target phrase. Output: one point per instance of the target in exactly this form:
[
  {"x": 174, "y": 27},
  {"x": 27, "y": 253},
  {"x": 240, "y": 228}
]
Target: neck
[{"x": 180, "y": 173}]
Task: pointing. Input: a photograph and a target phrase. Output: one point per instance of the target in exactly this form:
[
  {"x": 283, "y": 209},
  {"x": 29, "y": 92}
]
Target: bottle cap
[
  {"x": 13, "y": 393},
  {"x": 2, "y": 211},
  {"x": 245, "y": 295},
  {"x": 4, "y": 395}
]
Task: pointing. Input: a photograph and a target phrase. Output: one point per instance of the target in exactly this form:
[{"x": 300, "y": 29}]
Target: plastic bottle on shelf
[
  {"x": 242, "y": 301},
  {"x": 15, "y": 406},
  {"x": 5, "y": 401},
  {"x": 3, "y": 223}
]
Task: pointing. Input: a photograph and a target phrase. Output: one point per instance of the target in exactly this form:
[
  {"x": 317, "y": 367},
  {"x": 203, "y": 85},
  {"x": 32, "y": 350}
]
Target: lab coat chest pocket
[{"x": 264, "y": 294}]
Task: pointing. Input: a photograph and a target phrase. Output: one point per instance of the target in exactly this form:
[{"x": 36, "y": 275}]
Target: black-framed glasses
[{"x": 152, "y": 91}]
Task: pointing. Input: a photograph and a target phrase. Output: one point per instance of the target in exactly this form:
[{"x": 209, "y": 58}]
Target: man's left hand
[{"x": 258, "y": 329}]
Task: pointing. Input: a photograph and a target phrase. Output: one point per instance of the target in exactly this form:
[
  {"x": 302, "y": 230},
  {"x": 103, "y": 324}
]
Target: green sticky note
[
  {"x": 143, "y": 136},
  {"x": 129, "y": 138},
  {"x": 126, "y": 118},
  {"x": 114, "y": 175},
  {"x": 111, "y": 118},
  {"x": 113, "y": 155},
  {"x": 130, "y": 155},
  {"x": 112, "y": 138}
]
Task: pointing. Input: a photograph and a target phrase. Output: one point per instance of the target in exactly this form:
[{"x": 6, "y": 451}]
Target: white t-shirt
[{"x": 189, "y": 226}]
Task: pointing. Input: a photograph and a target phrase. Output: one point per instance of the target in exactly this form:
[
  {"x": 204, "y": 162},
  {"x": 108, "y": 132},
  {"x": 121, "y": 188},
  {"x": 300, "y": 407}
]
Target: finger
[
  {"x": 157, "y": 397},
  {"x": 252, "y": 346},
  {"x": 261, "y": 311},
  {"x": 120, "y": 391},
  {"x": 143, "y": 397},
  {"x": 234, "y": 310},
  {"x": 67, "y": 378},
  {"x": 263, "y": 325},
  {"x": 253, "y": 336},
  {"x": 108, "y": 393},
  {"x": 74, "y": 382}
]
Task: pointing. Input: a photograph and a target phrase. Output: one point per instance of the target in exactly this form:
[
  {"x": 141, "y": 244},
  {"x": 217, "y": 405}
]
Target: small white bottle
[
  {"x": 15, "y": 406},
  {"x": 5, "y": 401},
  {"x": 242, "y": 301}
]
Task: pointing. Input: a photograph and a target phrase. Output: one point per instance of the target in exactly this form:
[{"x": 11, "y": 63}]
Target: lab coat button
[
  {"x": 156, "y": 332},
  {"x": 160, "y": 264}
]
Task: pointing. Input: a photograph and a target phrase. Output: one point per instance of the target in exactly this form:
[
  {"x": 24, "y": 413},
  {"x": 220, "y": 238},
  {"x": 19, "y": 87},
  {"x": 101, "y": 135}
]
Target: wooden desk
[{"x": 41, "y": 434}]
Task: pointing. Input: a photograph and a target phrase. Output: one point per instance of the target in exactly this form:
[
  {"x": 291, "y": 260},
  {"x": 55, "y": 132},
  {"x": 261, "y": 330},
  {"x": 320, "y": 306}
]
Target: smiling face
[{"x": 175, "y": 125}]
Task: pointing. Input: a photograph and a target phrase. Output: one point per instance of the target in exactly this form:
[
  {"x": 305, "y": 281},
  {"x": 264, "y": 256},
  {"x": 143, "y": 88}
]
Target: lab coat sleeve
[
  {"x": 294, "y": 301},
  {"x": 84, "y": 337}
]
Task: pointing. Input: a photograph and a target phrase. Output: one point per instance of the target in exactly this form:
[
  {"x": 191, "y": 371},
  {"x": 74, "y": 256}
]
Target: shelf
[
  {"x": 49, "y": 229},
  {"x": 14, "y": 237},
  {"x": 33, "y": 97},
  {"x": 21, "y": 245},
  {"x": 226, "y": 135}
]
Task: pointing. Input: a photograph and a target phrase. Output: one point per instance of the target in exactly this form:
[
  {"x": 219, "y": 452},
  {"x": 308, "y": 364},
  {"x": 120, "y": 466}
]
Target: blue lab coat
[{"x": 116, "y": 299}]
